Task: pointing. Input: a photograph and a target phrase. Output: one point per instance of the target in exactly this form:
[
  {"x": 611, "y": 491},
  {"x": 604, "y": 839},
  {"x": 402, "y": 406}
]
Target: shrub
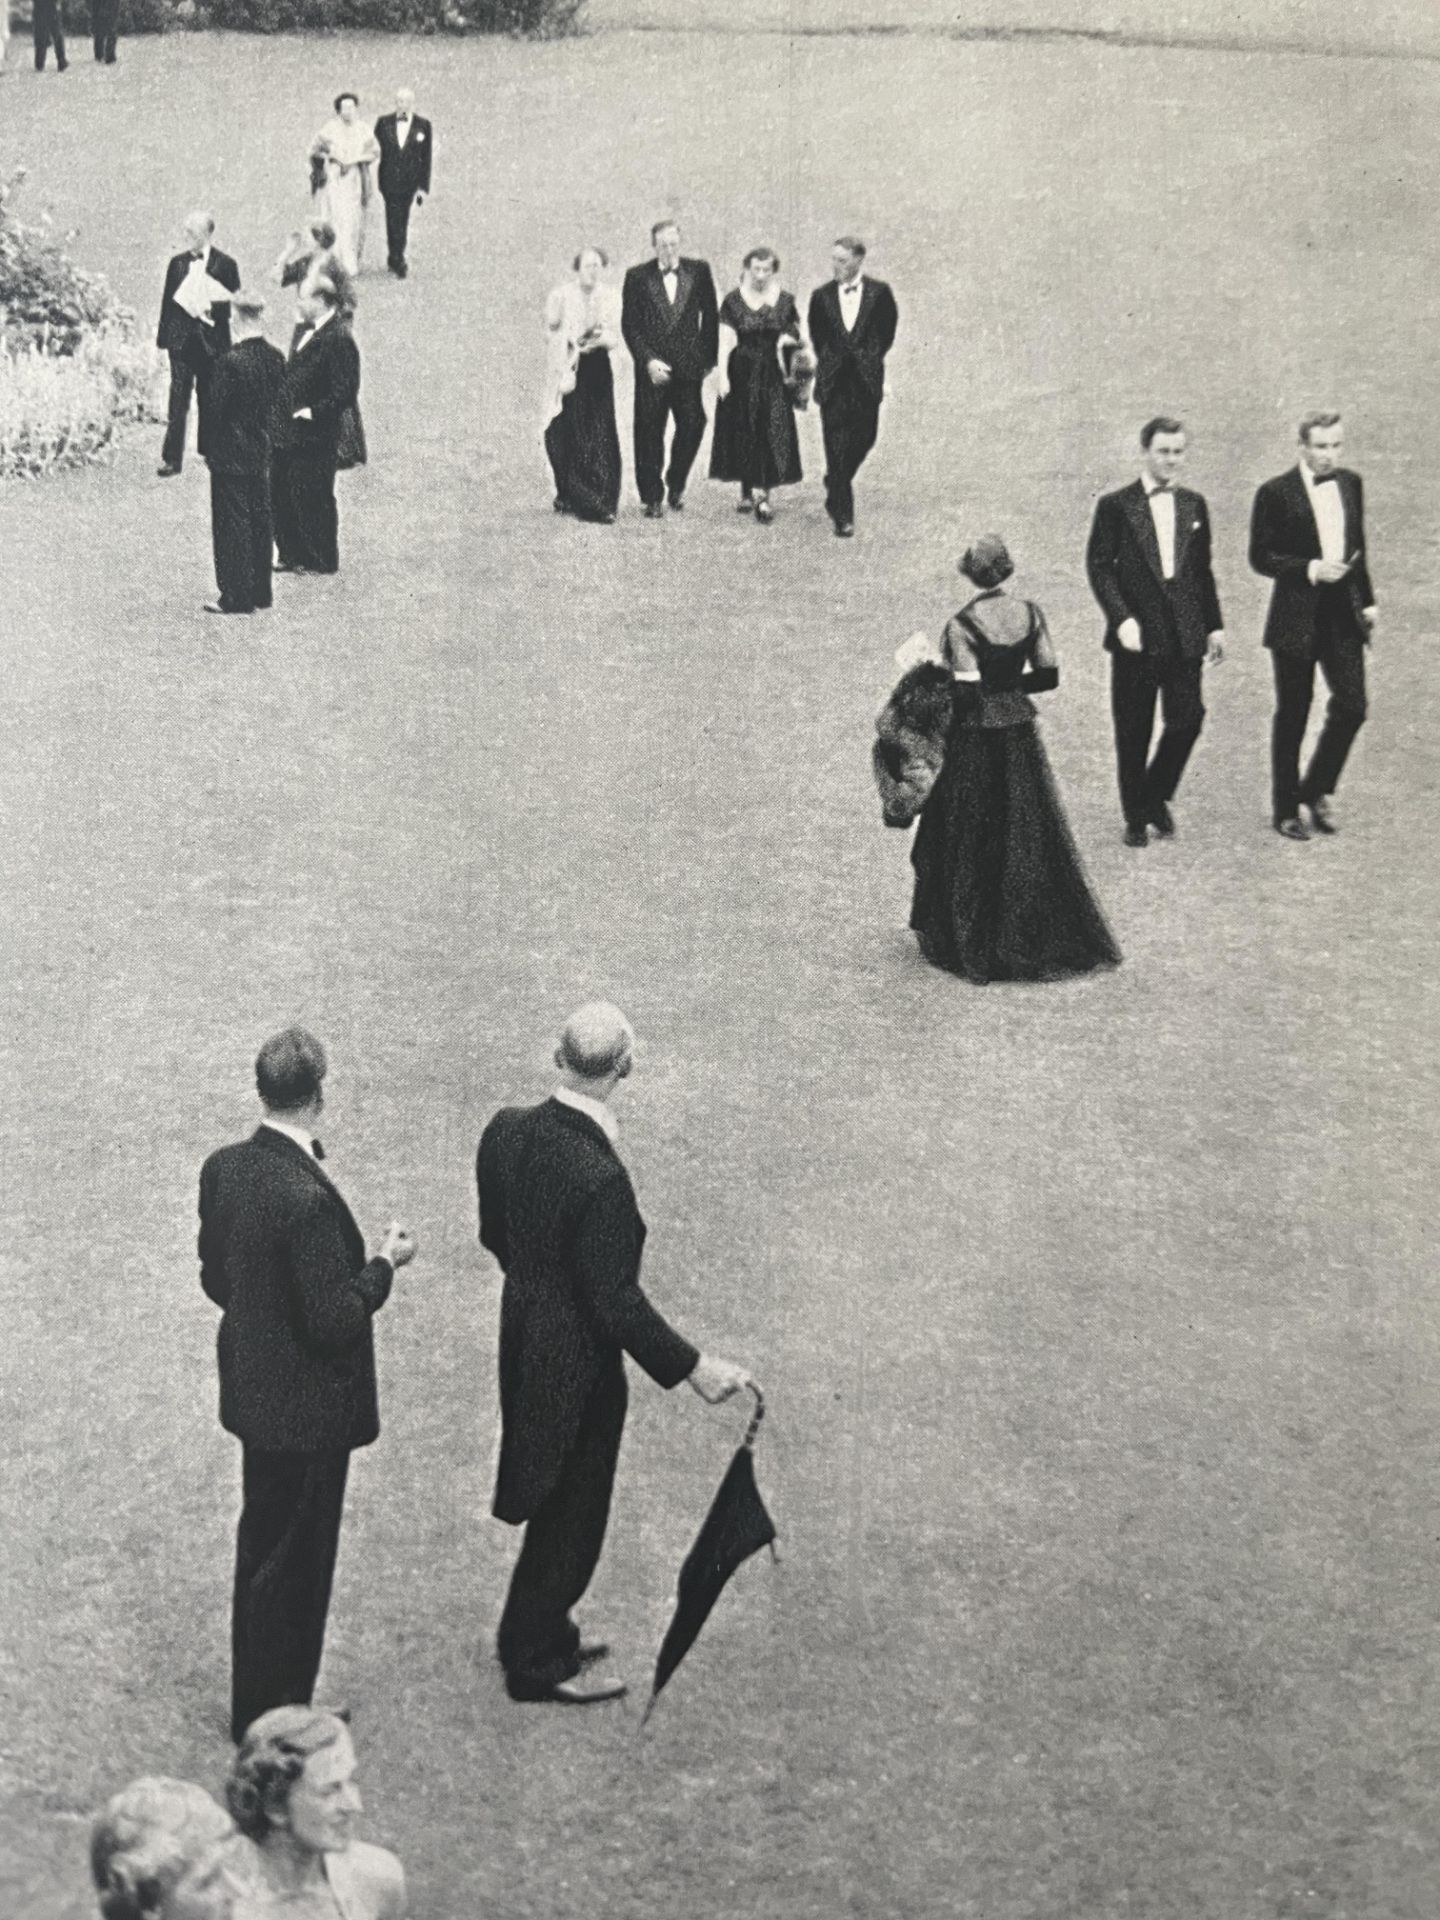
[
  {"x": 536, "y": 19},
  {"x": 71, "y": 370}
]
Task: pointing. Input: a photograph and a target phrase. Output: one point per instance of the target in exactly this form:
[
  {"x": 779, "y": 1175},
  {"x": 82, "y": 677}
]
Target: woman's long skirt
[{"x": 584, "y": 444}]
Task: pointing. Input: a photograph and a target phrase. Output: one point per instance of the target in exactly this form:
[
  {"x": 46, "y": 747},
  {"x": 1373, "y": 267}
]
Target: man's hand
[
  {"x": 717, "y": 1380},
  {"x": 1371, "y": 617},
  {"x": 658, "y": 371},
  {"x": 1328, "y": 573},
  {"x": 1215, "y": 646},
  {"x": 399, "y": 1246},
  {"x": 1128, "y": 634},
  {"x": 302, "y": 413}
]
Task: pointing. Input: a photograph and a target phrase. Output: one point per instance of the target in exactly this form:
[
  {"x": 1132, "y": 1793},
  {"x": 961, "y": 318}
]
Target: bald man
[{"x": 558, "y": 1212}]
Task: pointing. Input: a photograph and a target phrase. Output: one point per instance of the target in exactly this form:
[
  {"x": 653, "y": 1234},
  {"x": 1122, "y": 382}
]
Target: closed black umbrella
[{"x": 736, "y": 1526}]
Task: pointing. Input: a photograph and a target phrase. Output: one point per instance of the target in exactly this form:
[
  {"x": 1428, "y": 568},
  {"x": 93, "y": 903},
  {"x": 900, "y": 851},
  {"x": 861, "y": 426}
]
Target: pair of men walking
[
  {"x": 282, "y": 1256},
  {"x": 1150, "y": 566},
  {"x": 670, "y": 323}
]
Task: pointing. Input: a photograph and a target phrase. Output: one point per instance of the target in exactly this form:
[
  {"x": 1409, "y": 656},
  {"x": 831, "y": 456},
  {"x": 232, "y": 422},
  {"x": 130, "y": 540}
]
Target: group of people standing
[
  {"x": 276, "y": 429},
  {"x": 47, "y": 32},
  {"x": 999, "y": 889},
  {"x": 766, "y": 359}
]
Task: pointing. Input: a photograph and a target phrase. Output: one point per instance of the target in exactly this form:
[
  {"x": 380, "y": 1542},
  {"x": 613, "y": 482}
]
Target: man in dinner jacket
[
  {"x": 852, "y": 328},
  {"x": 558, "y": 1212},
  {"x": 281, "y": 1255},
  {"x": 407, "y": 146},
  {"x": 670, "y": 318}
]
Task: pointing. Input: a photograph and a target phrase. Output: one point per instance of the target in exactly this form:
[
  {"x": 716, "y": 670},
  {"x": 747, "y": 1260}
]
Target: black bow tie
[
  {"x": 1324, "y": 479},
  {"x": 317, "y": 1149},
  {"x": 401, "y": 119}
]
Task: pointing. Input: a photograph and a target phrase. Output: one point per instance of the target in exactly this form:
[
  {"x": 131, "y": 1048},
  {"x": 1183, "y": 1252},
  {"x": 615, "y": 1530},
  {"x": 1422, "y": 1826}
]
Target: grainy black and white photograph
[{"x": 721, "y": 1034}]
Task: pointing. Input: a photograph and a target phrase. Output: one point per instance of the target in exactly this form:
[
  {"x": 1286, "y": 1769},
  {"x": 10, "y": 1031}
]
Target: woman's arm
[
  {"x": 729, "y": 341},
  {"x": 958, "y": 652},
  {"x": 1043, "y": 672}
]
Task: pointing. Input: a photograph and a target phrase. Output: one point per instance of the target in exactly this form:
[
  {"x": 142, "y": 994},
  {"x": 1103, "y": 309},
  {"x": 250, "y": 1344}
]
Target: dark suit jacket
[
  {"x": 245, "y": 396},
  {"x": 281, "y": 1254},
  {"x": 178, "y": 331},
  {"x": 404, "y": 171},
  {"x": 857, "y": 356},
  {"x": 686, "y": 336},
  {"x": 558, "y": 1212},
  {"x": 1123, "y": 562},
  {"x": 1284, "y": 539},
  {"x": 324, "y": 375}
]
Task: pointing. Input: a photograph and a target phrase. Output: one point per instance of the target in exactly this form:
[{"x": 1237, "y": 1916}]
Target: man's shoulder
[
  {"x": 1193, "y": 499},
  {"x": 1280, "y": 483},
  {"x": 1117, "y": 496},
  {"x": 880, "y": 286}
]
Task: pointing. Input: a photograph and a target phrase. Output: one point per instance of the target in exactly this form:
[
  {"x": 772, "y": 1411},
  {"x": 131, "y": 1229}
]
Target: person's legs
[
  {"x": 1183, "y": 707},
  {"x": 537, "y": 1639},
  {"x": 689, "y": 409},
  {"x": 1132, "y": 709},
  {"x": 282, "y": 507},
  {"x": 317, "y": 519},
  {"x": 652, "y": 409},
  {"x": 262, "y": 537},
  {"x": 230, "y": 534},
  {"x": 1294, "y": 689},
  {"x": 397, "y": 231},
  {"x": 1342, "y": 661},
  {"x": 285, "y": 1550},
  {"x": 182, "y": 382}
]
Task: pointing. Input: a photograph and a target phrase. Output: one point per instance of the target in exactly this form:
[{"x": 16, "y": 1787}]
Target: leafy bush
[
  {"x": 71, "y": 371},
  {"x": 536, "y": 19}
]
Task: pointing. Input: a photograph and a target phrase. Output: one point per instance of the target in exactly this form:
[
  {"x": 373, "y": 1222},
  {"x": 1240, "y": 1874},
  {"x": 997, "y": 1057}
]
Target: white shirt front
[
  {"x": 323, "y": 321},
  {"x": 1162, "y": 512},
  {"x": 402, "y": 129},
  {"x": 595, "y": 1110},
  {"x": 670, "y": 280},
  {"x": 850, "y": 301},
  {"x": 1329, "y": 511},
  {"x": 299, "y": 1135}
]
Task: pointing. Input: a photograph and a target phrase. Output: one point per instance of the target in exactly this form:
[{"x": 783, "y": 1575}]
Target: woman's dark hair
[
  {"x": 271, "y": 1758},
  {"x": 289, "y": 1069},
  {"x": 987, "y": 562},
  {"x": 340, "y": 99},
  {"x": 762, "y": 253},
  {"x": 604, "y": 257}
]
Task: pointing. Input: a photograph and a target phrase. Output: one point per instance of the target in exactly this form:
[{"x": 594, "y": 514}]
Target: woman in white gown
[{"x": 346, "y": 149}]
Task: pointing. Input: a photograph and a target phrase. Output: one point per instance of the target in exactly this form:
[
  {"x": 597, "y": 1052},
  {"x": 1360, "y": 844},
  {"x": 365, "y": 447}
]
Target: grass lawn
[{"x": 1095, "y": 1321}]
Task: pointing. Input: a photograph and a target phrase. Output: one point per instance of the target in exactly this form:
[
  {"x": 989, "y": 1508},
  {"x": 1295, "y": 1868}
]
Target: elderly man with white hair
[
  {"x": 195, "y": 331},
  {"x": 558, "y": 1212},
  {"x": 407, "y": 145}
]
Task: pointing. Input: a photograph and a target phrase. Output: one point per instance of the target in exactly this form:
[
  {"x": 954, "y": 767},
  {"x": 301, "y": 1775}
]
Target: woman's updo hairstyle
[
  {"x": 762, "y": 253},
  {"x": 271, "y": 1758},
  {"x": 599, "y": 253},
  {"x": 986, "y": 562},
  {"x": 341, "y": 98},
  {"x": 145, "y": 1839}
]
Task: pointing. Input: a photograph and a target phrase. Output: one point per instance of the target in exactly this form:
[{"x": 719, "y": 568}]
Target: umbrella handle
[{"x": 756, "y": 1417}]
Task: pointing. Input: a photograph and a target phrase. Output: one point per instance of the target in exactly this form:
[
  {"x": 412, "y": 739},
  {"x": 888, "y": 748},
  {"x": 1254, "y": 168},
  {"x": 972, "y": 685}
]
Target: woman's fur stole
[{"x": 911, "y": 733}]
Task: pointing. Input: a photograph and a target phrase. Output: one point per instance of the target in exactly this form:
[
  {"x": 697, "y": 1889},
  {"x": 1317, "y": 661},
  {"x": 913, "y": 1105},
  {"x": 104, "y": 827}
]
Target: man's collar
[
  {"x": 852, "y": 286},
  {"x": 302, "y": 1136},
  {"x": 595, "y": 1110},
  {"x": 1152, "y": 485},
  {"x": 1311, "y": 478}
]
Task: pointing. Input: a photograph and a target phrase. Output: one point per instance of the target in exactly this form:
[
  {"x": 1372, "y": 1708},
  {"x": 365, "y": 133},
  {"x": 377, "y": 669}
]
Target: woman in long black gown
[
  {"x": 1000, "y": 893},
  {"x": 582, "y": 320},
  {"x": 755, "y": 441}
]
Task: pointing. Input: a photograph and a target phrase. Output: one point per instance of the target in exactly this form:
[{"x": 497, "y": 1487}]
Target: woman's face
[
  {"x": 589, "y": 268},
  {"x": 762, "y": 271},
  {"x": 325, "y": 1801},
  {"x": 347, "y": 110}
]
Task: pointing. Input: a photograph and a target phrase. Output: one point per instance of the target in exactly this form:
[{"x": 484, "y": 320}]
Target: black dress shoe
[
  {"x": 1163, "y": 821},
  {"x": 654, "y": 510},
  {"x": 1137, "y": 837},
  {"x": 1293, "y": 828},
  {"x": 677, "y": 502},
  {"x": 844, "y": 530},
  {"x": 586, "y": 1693},
  {"x": 219, "y": 606},
  {"x": 1321, "y": 818},
  {"x": 165, "y": 471}
]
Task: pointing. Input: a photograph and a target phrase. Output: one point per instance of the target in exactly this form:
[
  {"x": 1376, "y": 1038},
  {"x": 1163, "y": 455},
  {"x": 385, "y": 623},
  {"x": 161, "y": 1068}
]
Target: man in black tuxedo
[
  {"x": 322, "y": 379},
  {"x": 194, "y": 342},
  {"x": 852, "y": 327},
  {"x": 282, "y": 1257},
  {"x": 407, "y": 143},
  {"x": 558, "y": 1212},
  {"x": 1307, "y": 534},
  {"x": 105, "y": 27},
  {"x": 245, "y": 397},
  {"x": 671, "y": 322},
  {"x": 47, "y": 30},
  {"x": 1150, "y": 568}
]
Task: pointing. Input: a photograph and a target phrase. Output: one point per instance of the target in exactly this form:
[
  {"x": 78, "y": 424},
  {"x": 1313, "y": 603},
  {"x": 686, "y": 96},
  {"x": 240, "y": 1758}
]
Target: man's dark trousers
[
  {"x": 48, "y": 31},
  {"x": 850, "y": 424},
  {"x": 307, "y": 519},
  {"x": 537, "y": 1639},
  {"x": 284, "y": 1568},
  {"x": 1340, "y": 654},
  {"x": 653, "y": 407},
  {"x": 1136, "y": 680},
  {"x": 397, "y": 229},
  {"x": 104, "y": 25},
  {"x": 244, "y": 538},
  {"x": 185, "y": 380}
]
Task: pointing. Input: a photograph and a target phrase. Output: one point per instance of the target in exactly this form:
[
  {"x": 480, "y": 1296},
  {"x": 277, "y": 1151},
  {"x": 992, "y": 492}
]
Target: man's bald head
[{"x": 596, "y": 1043}]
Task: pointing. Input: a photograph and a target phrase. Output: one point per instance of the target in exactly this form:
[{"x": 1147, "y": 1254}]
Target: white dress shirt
[
  {"x": 595, "y": 1110},
  {"x": 402, "y": 129},
  {"x": 850, "y": 293},
  {"x": 1329, "y": 511},
  {"x": 300, "y": 1135},
  {"x": 1162, "y": 512}
]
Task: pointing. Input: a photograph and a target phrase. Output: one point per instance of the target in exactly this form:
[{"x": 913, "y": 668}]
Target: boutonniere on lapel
[
  {"x": 1195, "y": 526},
  {"x": 419, "y": 133}
]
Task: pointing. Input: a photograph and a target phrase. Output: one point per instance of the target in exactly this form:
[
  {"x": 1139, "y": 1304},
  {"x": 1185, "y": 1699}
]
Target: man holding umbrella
[{"x": 558, "y": 1212}]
